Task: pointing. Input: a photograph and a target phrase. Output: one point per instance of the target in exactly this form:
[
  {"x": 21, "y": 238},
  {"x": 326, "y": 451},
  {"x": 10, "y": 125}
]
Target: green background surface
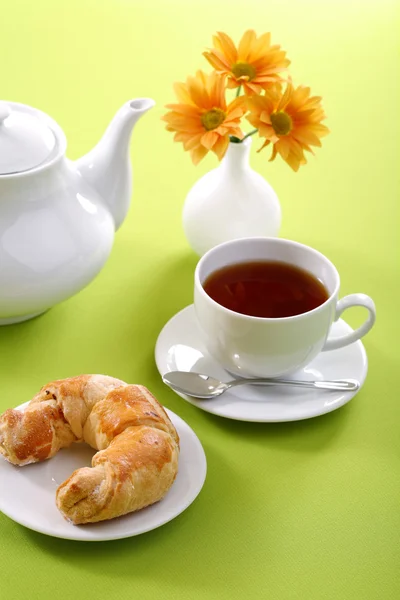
[{"x": 306, "y": 510}]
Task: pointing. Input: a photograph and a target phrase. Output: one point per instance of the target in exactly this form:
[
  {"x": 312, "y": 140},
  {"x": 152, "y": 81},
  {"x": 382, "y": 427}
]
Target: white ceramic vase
[{"x": 230, "y": 202}]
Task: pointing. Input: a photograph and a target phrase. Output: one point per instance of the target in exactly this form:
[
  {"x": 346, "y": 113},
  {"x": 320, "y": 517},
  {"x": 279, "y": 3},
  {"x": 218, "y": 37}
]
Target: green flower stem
[
  {"x": 237, "y": 140},
  {"x": 238, "y": 91},
  {"x": 249, "y": 134}
]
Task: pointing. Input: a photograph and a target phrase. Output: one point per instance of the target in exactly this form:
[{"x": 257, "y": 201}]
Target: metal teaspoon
[{"x": 206, "y": 387}]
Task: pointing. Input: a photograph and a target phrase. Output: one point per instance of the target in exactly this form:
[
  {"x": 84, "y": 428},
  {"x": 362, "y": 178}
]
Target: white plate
[
  {"x": 180, "y": 348},
  {"x": 27, "y": 494}
]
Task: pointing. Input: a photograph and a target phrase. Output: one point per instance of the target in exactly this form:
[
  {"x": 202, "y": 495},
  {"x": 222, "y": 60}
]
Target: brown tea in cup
[{"x": 267, "y": 289}]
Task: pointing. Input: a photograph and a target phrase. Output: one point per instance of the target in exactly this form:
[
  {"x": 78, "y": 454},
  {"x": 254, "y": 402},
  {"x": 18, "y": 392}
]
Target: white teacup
[{"x": 266, "y": 347}]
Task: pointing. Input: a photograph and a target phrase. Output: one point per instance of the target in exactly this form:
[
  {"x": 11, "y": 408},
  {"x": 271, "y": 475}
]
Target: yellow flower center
[
  {"x": 281, "y": 122},
  {"x": 213, "y": 118},
  {"x": 242, "y": 69}
]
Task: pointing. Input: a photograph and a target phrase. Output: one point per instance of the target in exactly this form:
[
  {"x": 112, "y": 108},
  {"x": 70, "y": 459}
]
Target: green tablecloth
[{"x": 306, "y": 510}]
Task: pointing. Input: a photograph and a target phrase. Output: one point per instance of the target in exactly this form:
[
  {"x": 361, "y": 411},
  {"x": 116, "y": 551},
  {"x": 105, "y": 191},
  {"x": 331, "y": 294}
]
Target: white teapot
[{"x": 57, "y": 217}]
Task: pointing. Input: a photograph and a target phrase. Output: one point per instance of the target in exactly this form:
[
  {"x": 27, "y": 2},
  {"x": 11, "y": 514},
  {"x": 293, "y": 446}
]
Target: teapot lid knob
[{"x": 5, "y": 111}]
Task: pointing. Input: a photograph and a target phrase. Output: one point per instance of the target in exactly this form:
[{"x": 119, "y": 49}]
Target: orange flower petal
[
  {"x": 184, "y": 109},
  {"x": 305, "y": 136},
  {"x": 198, "y": 93},
  {"x": 272, "y": 59},
  {"x": 270, "y": 72},
  {"x": 296, "y": 148},
  {"x": 253, "y": 120},
  {"x": 258, "y": 103},
  {"x": 294, "y": 161},
  {"x": 252, "y": 88},
  {"x": 286, "y": 97},
  {"x": 192, "y": 142},
  {"x": 224, "y": 43},
  {"x": 182, "y": 122},
  {"x": 182, "y": 93},
  {"x": 268, "y": 132},
  {"x": 319, "y": 129},
  {"x": 245, "y": 45},
  {"x": 181, "y": 136},
  {"x": 218, "y": 92},
  {"x": 217, "y": 60},
  {"x": 239, "y": 102},
  {"x": 202, "y": 78},
  {"x": 260, "y": 46},
  {"x": 283, "y": 147},
  {"x": 221, "y": 147},
  {"x": 265, "y": 117},
  {"x": 266, "y": 143},
  {"x": 208, "y": 139},
  {"x": 198, "y": 154},
  {"x": 236, "y": 113},
  {"x": 232, "y": 83},
  {"x": 301, "y": 115},
  {"x": 299, "y": 97},
  {"x": 273, "y": 154},
  {"x": 237, "y": 132}
]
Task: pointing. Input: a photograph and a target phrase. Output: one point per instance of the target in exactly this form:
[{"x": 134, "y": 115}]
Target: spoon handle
[{"x": 345, "y": 385}]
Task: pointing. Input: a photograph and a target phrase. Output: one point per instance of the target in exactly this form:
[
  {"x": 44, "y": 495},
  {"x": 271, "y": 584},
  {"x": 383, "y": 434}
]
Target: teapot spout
[{"x": 107, "y": 167}]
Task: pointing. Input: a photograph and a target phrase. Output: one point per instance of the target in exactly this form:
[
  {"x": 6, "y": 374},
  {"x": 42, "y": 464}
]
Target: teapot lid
[{"x": 26, "y": 141}]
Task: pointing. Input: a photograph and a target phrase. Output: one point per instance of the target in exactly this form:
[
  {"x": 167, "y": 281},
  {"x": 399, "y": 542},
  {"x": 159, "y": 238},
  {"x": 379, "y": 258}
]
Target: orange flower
[
  {"x": 291, "y": 121},
  {"x": 203, "y": 121},
  {"x": 255, "y": 64}
]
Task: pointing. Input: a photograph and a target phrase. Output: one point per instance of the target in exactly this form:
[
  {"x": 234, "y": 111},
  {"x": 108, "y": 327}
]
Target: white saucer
[
  {"x": 27, "y": 494},
  {"x": 180, "y": 348}
]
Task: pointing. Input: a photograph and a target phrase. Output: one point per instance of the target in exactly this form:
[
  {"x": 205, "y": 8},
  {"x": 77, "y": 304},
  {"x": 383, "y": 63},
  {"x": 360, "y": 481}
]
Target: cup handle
[{"x": 349, "y": 338}]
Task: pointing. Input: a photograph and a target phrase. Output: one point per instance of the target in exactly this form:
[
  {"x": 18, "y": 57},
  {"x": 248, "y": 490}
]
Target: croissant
[{"x": 138, "y": 446}]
